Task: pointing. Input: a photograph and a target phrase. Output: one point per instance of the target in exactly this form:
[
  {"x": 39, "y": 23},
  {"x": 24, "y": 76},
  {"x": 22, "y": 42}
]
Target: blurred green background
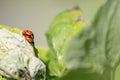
[{"x": 37, "y": 15}]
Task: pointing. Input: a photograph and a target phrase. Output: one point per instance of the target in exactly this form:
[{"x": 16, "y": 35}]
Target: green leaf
[
  {"x": 2, "y": 78},
  {"x": 65, "y": 26},
  {"x": 95, "y": 54},
  {"x": 44, "y": 54},
  {"x": 117, "y": 73},
  {"x": 15, "y": 30}
]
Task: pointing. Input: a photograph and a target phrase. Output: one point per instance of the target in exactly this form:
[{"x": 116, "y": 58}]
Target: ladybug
[{"x": 28, "y": 34}]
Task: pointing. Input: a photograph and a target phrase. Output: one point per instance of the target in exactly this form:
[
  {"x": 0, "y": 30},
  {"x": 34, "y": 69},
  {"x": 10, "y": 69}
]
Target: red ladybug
[{"x": 28, "y": 36}]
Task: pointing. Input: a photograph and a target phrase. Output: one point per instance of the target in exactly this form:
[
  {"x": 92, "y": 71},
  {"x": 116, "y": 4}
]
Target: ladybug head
[{"x": 27, "y": 33}]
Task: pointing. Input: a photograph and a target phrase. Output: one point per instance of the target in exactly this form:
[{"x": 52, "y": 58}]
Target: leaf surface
[
  {"x": 95, "y": 54},
  {"x": 65, "y": 26}
]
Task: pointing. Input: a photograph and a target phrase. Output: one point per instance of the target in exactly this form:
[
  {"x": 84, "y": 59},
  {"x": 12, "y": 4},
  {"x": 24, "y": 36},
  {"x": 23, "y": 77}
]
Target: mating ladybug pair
[{"x": 28, "y": 36}]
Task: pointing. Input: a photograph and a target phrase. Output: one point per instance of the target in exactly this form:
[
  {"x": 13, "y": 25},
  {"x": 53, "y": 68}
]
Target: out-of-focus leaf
[
  {"x": 65, "y": 26},
  {"x": 15, "y": 30},
  {"x": 95, "y": 54},
  {"x": 117, "y": 73},
  {"x": 2, "y": 78},
  {"x": 17, "y": 57},
  {"x": 44, "y": 54}
]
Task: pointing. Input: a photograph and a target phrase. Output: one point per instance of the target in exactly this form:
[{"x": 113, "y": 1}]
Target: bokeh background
[{"x": 37, "y": 15}]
